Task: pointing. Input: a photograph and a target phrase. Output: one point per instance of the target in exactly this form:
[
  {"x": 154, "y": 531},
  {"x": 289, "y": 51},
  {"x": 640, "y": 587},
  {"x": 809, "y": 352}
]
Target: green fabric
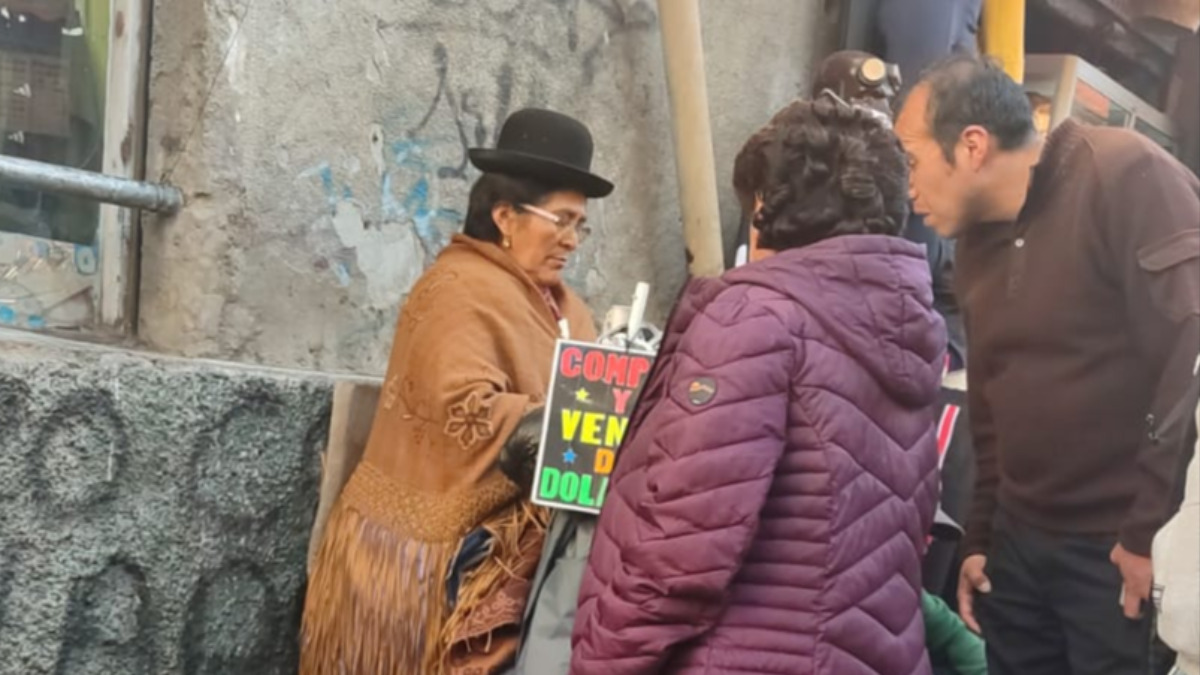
[{"x": 948, "y": 639}]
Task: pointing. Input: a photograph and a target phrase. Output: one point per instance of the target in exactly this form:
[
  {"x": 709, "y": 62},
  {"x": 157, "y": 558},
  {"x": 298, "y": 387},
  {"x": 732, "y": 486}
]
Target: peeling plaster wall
[{"x": 322, "y": 149}]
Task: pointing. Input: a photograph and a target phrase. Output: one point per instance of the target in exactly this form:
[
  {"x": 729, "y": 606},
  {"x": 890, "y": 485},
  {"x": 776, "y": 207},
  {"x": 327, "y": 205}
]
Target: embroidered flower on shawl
[{"x": 470, "y": 421}]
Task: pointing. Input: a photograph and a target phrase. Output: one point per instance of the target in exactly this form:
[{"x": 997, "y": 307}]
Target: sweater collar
[{"x": 1056, "y": 162}]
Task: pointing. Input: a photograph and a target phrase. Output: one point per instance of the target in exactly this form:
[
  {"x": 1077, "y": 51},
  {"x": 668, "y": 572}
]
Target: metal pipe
[
  {"x": 63, "y": 180},
  {"x": 694, "y": 163}
]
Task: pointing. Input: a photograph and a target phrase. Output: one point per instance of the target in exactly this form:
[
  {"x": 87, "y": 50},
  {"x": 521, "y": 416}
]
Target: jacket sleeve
[
  {"x": 1153, "y": 232},
  {"x": 696, "y": 504},
  {"x": 949, "y": 640},
  {"x": 978, "y": 535},
  {"x": 1177, "y": 571}
]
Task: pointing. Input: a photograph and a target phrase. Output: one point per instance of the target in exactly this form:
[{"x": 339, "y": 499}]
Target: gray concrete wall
[
  {"x": 154, "y": 513},
  {"x": 322, "y": 148}
]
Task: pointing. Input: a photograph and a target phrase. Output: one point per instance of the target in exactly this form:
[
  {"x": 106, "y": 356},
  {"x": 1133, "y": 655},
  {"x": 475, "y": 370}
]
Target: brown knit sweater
[{"x": 1083, "y": 319}]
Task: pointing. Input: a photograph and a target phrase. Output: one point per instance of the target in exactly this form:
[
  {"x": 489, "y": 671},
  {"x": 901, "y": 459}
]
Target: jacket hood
[{"x": 873, "y": 294}]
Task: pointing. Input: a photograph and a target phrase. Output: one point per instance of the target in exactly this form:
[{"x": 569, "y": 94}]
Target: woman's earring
[{"x": 507, "y": 242}]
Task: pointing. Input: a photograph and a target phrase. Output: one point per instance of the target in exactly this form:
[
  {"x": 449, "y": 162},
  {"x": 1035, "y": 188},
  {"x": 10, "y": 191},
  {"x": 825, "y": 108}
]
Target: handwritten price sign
[{"x": 593, "y": 391}]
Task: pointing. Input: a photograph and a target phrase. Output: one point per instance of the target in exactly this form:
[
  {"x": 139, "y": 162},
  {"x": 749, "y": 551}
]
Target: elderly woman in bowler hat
[{"x": 425, "y": 563}]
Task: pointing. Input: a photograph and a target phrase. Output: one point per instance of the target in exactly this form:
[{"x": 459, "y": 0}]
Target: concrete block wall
[{"x": 154, "y": 512}]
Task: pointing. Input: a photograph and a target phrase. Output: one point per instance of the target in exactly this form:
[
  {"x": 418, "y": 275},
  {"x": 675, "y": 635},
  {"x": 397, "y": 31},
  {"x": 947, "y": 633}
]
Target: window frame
[
  {"x": 112, "y": 287},
  {"x": 117, "y": 235}
]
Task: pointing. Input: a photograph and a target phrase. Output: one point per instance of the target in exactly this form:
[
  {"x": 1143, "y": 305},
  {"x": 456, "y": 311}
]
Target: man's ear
[{"x": 976, "y": 144}]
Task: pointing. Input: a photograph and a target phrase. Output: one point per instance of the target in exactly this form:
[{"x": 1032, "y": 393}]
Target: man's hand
[
  {"x": 1138, "y": 574},
  {"x": 972, "y": 580}
]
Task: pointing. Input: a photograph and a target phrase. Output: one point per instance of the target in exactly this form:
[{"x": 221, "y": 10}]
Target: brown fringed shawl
[{"x": 472, "y": 354}]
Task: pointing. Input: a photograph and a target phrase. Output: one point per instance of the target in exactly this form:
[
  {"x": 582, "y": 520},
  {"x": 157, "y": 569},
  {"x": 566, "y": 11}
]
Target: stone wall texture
[
  {"x": 322, "y": 148},
  {"x": 154, "y": 513}
]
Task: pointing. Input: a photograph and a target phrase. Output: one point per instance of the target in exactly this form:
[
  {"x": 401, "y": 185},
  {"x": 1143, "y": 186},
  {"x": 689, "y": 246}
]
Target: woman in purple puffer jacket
[{"x": 769, "y": 508}]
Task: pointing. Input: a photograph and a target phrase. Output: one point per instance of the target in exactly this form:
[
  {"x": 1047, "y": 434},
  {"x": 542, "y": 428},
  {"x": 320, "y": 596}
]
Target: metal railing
[{"x": 63, "y": 180}]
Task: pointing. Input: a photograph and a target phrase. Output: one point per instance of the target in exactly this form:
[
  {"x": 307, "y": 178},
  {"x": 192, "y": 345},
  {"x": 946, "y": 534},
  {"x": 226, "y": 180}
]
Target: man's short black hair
[{"x": 965, "y": 90}]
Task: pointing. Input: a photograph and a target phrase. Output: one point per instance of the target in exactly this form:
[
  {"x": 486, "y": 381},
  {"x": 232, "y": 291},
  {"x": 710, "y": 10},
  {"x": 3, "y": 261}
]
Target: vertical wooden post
[
  {"x": 350, "y": 423},
  {"x": 683, "y": 53},
  {"x": 124, "y": 155}
]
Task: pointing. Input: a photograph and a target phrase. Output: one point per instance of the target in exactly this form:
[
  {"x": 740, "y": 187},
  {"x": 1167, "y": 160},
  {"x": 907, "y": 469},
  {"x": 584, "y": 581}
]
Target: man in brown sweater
[{"x": 1079, "y": 272}]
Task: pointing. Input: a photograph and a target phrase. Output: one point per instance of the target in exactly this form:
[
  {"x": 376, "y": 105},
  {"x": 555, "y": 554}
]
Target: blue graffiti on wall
[
  {"x": 426, "y": 217},
  {"x": 405, "y": 194}
]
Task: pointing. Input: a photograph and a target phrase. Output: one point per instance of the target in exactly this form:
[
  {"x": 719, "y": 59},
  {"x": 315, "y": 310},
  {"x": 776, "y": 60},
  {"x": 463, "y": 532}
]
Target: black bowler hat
[{"x": 546, "y": 146}]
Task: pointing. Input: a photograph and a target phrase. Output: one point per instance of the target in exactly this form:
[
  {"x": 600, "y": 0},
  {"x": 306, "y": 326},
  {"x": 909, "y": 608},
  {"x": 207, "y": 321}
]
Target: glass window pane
[
  {"x": 1092, "y": 107},
  {"x": 53, "y": 74},
  {"x": 45, "y": 284},
  {"x": 53, "y": 66}
]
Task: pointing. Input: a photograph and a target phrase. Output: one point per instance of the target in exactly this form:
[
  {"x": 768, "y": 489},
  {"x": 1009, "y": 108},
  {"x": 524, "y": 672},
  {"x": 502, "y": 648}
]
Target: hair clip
[{"x": 879, "y": 115}]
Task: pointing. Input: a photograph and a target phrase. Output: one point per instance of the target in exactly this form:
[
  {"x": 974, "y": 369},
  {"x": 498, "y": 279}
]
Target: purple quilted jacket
[{"x": 769, "y": 509}]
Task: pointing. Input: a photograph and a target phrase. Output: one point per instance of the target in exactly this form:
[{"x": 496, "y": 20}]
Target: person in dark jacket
[
  {"x": 1079, "y": 272},
  {"x": 918, "y": 33},
  {"x": 770, "y": 505}
]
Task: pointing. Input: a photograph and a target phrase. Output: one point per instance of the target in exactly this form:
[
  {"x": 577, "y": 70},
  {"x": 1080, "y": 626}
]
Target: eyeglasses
[{"x": 563, "y": 221}]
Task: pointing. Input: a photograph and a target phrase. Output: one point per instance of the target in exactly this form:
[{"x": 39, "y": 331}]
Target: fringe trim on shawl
[
  {"x": 377, "y": 605},
  {"x": 375, "y": 602},
  {"x": 516, "y": 545}
]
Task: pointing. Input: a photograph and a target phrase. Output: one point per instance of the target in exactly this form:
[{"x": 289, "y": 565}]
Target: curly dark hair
[{"x": 823, "y": 169}]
